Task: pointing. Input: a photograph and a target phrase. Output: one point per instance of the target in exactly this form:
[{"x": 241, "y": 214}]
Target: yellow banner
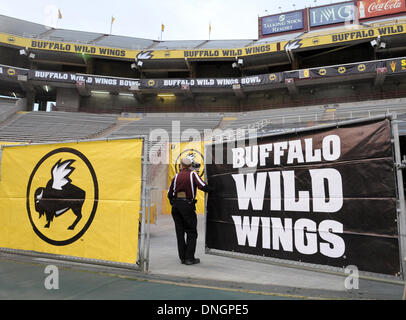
[
  {"x": 352, "y": 33},
  {"x": 91, "y": 50},
  {"x": 349, "y": 34},
  {"x": 195, "y": 151},
  {"x": 75, "y": 199}
]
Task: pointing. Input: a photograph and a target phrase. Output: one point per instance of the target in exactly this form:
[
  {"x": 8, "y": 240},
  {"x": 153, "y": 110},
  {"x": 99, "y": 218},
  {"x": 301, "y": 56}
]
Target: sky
[{"x": 183, "y": 19}]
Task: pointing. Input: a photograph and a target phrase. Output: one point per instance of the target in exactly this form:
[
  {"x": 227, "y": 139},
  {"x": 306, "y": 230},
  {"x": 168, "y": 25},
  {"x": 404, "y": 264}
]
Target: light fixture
[
  {"x": 374, "y": 43},
  {"x": 378, "y": 43},
  {"x": 31, "y": 55},
  {"x": 99, "y": 92},
  {"x": 125, "y": 94},
  {"x": 23, "y": 52},
  {"x": 137, "y": 64},
  {"x": 238, "y": 63},
  {"x": 166, "y": 95},
  {"x": 46, "y": 88}
]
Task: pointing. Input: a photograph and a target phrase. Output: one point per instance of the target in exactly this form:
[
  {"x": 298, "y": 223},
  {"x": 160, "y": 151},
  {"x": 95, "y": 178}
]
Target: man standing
[{"x": 181, "y": 194}]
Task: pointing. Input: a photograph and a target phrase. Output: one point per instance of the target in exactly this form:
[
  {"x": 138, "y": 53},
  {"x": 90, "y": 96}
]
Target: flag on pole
[
  {"x": 209, "y": 29},
  {"x": 111, "y": 24},
  {"x": 162, "y": 29},
  {"x": 59, "y": 14}
]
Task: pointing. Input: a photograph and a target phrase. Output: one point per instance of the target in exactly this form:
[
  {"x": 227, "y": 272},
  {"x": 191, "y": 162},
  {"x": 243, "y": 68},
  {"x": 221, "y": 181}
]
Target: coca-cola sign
[{"x": 374, "y": 8}]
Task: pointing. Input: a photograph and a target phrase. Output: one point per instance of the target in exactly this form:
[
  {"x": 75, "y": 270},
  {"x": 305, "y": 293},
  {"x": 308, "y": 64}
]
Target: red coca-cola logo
[{"x": 388, "y": 5}]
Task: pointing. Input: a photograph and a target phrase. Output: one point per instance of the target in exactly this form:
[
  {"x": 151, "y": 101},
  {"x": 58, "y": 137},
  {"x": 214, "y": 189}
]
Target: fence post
[{"x": 401, "y": 210}]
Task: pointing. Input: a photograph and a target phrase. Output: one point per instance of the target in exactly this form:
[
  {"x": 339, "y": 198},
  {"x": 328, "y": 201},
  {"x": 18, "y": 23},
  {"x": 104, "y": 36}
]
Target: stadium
[{"x": 116, "y": 107}]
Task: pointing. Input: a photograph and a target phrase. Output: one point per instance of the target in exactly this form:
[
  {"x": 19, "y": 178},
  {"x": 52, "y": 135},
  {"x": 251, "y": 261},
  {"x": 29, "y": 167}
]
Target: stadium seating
[
  {"x": 7, "y": 108},
  {"x": 167, "y": 122},
  {"x": 61, "y": 126},
  {"x": 275, "y": 120},
  {"x": 54, "y": 126}
]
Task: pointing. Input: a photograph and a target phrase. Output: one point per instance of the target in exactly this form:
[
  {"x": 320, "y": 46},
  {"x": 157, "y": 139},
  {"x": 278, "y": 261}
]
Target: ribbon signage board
[
  {"x": 282, "y": 23},
  {"x": 324, "y": 197},
  {"x": 333, "y": 14},
  {"x": 376, "y": 8}
]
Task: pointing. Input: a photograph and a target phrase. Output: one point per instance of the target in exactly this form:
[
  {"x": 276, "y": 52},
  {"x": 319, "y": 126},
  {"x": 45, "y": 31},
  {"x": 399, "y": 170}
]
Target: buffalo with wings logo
[{"x": 60, "y": 195}]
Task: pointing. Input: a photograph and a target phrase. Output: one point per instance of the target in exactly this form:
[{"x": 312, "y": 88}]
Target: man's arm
[
  {"x": 200, "y": 183},
  {"x": 171, "y": 190}
]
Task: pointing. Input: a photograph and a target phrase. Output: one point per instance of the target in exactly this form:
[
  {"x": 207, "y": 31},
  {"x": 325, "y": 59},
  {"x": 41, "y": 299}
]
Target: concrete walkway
[
  {"x": 216, "y": 277},
  {"x": 257, "y": 276}
]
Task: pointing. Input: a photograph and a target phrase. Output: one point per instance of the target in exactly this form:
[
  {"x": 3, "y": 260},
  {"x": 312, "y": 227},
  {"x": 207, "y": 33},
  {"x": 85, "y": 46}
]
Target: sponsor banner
[
  {"x": 202, "y": 83},
  {"x": 188, "y": 83},
  {"x": 74, "y": 199},
  {"x": 396, "y": 65},
  {"x": 195, "y": 151},
  {"x": 120, "y": 53},
  {"x": 325, "y": 197},
  {"x": 282, "y": 23},
  {"x": 333, "y": 14},
  {"x": 7, "y": 72},
  {"x": 375, "y": 8},
  {"x": 348, "y": 69},
  {"x": 205, "y": 54},
  {"x": 90, "y": 80},
  {"x": 262, "y": 79},
  {"x": 339, "y": 38},
  {"x": 229, "y": 53}
]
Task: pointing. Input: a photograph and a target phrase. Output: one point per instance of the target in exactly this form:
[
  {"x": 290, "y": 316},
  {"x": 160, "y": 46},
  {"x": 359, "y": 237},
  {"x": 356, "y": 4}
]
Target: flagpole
[
  {"x": 59, "y": 17},
  {"x": 111, "y": 24},
  {"x": 209, "y": 29}
]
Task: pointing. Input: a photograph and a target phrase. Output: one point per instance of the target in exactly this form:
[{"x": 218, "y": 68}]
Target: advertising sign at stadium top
[
  {"x": 375, "y": 8},
  {"x": 282, "y": 22},
  {"x": 321, "y": 16},
  {"x": 224, "y": 53},
  {"x": 351, "y": 35},
  {"x": 77, "y": 48},
  {"x": 325, "y": 197},
  {"x": 337, "y": 13}
]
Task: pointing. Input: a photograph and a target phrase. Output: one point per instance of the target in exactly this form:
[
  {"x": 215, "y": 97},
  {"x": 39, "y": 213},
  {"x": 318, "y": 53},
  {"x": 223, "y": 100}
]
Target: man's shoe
[
  {"x": 192, "y": 261},
  {"x": 182, "y": 261}
]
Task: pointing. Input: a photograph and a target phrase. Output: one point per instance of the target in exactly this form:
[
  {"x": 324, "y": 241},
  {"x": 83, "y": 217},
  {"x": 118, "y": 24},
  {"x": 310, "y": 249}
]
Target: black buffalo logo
[
  {"x": 60, "y": 195},
  {"x": 58, "y": 192}
]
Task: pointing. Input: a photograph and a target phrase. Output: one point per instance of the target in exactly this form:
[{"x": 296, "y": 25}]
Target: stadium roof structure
[
  {"x": 34, "y": 56},
  {"x": 37, "y": 37}
]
